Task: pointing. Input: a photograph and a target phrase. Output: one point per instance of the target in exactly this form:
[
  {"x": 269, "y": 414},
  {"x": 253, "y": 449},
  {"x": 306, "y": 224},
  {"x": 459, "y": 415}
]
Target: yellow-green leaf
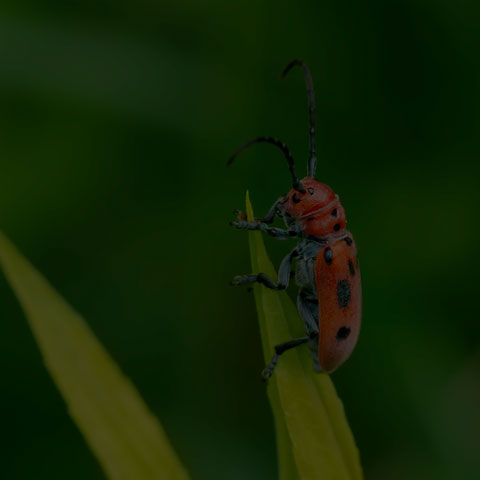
[
  {"x": 313, "y": 435},
  {"x": 127, "y": 439}
]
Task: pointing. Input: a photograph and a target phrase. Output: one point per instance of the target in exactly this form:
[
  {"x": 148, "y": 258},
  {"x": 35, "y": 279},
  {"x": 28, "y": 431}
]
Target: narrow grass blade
[
  {"x": 312, "y": 431},
  {"x": 126, "y": 438}
]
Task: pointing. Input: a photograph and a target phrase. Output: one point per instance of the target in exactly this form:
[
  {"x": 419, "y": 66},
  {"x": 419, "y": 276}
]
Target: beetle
[{"x": 327, "y": 272}]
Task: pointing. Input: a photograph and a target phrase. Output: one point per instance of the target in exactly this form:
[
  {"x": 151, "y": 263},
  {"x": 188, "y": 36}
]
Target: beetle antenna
[
  {"x": 312, "y": 161},
  {"x": 291, "y": 166}
]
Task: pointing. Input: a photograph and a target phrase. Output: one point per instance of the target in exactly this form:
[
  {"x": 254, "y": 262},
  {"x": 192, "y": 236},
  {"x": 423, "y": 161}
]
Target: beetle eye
[
  {"x": 310, "y": 191},
  {"x": 295, "y": 198}
]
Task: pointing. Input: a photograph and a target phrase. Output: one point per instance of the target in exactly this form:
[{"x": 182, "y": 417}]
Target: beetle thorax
[{"x": 316, "y": 212}]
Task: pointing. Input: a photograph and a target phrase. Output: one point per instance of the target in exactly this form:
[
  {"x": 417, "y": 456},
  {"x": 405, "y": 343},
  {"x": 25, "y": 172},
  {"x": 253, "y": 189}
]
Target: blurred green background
[{"x": 116, "y": 121}]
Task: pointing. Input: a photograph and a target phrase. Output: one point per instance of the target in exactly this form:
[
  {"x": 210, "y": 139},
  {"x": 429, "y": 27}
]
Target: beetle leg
[
  {"x": 278, "y": 232},
  {"x": 257, "y": 225},
  {"x": 259, "y": 277},
  {"x": 270, "y": 216},
  {"x": 245, "y": 225},
  {"x": 283, "y": 275},
  {"x": 279, "y": 349}
]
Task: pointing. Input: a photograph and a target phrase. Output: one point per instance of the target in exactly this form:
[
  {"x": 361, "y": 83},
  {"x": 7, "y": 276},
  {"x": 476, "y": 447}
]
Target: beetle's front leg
[
  {"x": 283, "y": 275},
  {"x": 268, "y": 218},
  {"x": 279, "y": 233}
]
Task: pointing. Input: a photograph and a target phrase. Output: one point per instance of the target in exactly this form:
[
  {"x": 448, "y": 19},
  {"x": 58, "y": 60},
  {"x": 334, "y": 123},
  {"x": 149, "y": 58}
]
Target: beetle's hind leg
[
  {"x": 283, "y": 275},
  {"x": 279, "y": 349}
]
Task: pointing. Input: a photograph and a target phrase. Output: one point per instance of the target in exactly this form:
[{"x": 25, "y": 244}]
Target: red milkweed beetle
[{"x": 330, "y": 296}]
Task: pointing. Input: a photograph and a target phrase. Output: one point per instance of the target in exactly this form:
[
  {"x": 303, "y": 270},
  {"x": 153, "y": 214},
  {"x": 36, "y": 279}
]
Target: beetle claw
[
  {"x": 236, "y": 281},
  {"x": 242, "y": 280},
  {"x": 241, "y": 215},
  {"x": 266, "y": 374},
  {"x": 268, "y": 370}
]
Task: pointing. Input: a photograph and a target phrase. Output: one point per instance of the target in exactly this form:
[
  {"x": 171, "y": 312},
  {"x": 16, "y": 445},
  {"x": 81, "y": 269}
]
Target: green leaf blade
[
  {"x": 127, "y": 439},
  {"x": 309, "y": 417}
]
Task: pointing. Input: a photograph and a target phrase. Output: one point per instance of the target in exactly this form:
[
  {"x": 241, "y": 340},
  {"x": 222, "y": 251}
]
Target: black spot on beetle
[
  {"x": 348, "y": 241},
  {"x": 350, "y": 267},
  {"x": 343, "y": 333},
  {"x": 328, "y": 255},
  {"x": 343, "y": 293},
  {"x": 295, "y": 198},
  {"x": 334, "y": 213},
  {"x": 336, "y": 227},
  {"x": 310, "y": 191},
  {"x": 309, "y": 219}
]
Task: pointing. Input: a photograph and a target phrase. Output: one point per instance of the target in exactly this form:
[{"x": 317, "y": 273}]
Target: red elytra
[
  {"x": 338, "y": 333},
  {"x": 330, "y": 296}
]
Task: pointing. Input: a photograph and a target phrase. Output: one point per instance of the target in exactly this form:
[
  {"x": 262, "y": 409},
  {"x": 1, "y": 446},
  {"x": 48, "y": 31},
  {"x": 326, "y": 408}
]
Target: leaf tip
[{"x": 249, "y": 207}]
